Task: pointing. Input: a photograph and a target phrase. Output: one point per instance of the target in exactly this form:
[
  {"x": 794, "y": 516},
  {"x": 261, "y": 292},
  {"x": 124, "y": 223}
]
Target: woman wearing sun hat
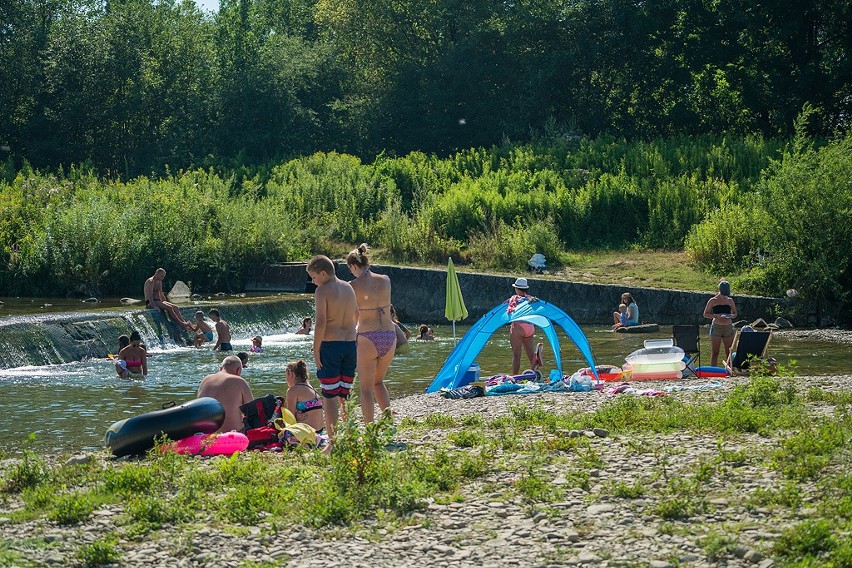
[{"x": 521, "y": 332}]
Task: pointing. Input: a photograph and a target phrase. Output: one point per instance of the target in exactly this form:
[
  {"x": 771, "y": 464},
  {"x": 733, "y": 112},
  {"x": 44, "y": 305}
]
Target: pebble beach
[{"x": 488, "y": 523}]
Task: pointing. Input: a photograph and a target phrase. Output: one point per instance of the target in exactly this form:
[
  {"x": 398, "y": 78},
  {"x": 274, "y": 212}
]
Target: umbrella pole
[{"x": 454, "y": 332}]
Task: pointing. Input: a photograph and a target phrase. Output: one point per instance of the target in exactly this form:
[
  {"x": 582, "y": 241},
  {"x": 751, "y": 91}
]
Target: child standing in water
[
  {"x": 120, "y": 364},
  {"x": 302, "y": 399},
  {"x": 203, "y": 331},
  {"x": 335, "y": 350},
  {"x": 256, "y": 344}
]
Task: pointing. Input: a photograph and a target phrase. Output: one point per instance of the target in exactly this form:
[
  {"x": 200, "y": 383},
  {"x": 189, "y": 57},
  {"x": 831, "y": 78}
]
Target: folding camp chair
[
  {"x": 748, "y": 346},
  {"x": 687, "y": 338}
]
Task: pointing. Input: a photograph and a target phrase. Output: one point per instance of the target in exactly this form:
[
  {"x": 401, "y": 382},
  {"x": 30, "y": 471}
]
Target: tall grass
[{"x": 76, "y": 233}]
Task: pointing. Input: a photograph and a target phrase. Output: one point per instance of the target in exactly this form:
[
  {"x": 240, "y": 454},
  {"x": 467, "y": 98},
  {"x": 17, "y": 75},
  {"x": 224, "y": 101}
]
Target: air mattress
[
  {"x": 136, "y": 435},
  {"x": 656, "y": 355}
]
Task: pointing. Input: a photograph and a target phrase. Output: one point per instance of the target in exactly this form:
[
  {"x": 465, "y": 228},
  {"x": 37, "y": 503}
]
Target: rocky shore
[{"x": 612, "y": 516}]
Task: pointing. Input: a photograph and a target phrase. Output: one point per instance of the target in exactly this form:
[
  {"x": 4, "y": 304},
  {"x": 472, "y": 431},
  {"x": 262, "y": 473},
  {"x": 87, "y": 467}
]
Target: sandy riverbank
[{"x": 489, "y": 522}]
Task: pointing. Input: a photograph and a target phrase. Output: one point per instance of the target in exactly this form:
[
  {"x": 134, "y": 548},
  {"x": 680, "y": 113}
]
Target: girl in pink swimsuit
[{"x": 520, "y": 332}]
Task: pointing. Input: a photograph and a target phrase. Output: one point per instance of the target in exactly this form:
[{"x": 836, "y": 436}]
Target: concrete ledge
[{"x": 419, "y": 295}]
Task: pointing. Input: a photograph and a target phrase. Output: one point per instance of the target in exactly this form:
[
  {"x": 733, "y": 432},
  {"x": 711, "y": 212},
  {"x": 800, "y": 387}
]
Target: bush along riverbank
[{"x": 753, "y": 473}]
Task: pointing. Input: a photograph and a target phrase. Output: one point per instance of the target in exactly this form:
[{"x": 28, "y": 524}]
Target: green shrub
[
  {"x": 73, "y": 508},
  {"x": 807, "y": 539},
  {"x": 467, "y": 438},
  {"x": 27, "y": 472},
  {"x": 100, "y": 552}
]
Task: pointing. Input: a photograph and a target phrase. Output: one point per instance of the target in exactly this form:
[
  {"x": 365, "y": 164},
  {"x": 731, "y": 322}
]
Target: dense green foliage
[
  {"x": 493, "y": 208},
  {"x": 133, "y": 85},
  {"x": 793, "y": 231}
]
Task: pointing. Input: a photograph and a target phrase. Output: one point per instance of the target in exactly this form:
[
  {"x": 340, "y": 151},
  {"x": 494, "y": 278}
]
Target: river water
[{"x": 69, "y": 406}]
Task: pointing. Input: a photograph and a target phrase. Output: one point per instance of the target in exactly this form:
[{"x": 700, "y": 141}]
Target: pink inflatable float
[{"x": 223, "y": 444}]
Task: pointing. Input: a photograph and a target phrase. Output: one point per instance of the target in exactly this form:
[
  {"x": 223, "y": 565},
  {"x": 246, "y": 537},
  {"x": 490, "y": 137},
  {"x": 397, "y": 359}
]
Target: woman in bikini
[
  {"x": 302, "y": 400},
  {"x": 722, "y": 310},
  {"x": 134, "y": 356},
  {"x": 376, "y": 332},
  {"x": 521, "y": 332}
]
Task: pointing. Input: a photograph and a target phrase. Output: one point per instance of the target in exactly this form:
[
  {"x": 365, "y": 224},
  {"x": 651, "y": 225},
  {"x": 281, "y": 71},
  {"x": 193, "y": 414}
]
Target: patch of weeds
[
  {"x": 718, "y": 546},
  {"x": 787, "y": 496},
  {"x": 244, "y": 504},
  {"x": 467, "y": 438},
  {"x": 29, "y": 471},
  {"x": 589, "y": 458},
  {"x": 155, "y": 511},
  {"x": 807, "y": 453},
  {"x": 625, "y": 491},
  {"x": 560, "y": 443},
  {"x": 735, "y": 458},
  {"x": 408, "y": 423},
  {"x": 666, "y": 528},
  {"x": 534, "y": 488},
  {"x": 816, "y": 394},
  {"x": 500, "y": 423},
  {"x": 578, "y": 478},
  {"x": 440, "y": 420},
  {"x": 681, "y": 500},
  {"x": 474, "y": 465},
  {"x": 473, "y": 420},
  {"x": 807, "y": 540},
  {"x": 524, "y": 416},
  {"x": 764, "y": 391},
  {"x": 240, "y": 470},
  {"x": 704, "y": 471},
  {"x": 10, "y": 557},
  {"x": 132, "y": 479},
  {"x": 100, "y": 552},
  {"x": 73, "y": 508}
]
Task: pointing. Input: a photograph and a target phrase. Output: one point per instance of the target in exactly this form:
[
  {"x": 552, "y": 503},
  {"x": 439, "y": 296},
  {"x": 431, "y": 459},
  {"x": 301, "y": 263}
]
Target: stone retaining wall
[{"x": 419, "y": 295}]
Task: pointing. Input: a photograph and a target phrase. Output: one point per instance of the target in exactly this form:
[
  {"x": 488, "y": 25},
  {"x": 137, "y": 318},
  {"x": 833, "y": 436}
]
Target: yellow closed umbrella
[{"x": 455, "y": 309}]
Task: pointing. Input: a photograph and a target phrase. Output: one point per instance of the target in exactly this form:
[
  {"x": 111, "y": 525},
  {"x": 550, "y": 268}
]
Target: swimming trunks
[
  {"x": 527, "y": 328},
  {"x": 225, "y": 347},
  {"x": 338, "y": 360},
  {"x": 383, "y": 341},
  {"x": 208, "y": 335}
]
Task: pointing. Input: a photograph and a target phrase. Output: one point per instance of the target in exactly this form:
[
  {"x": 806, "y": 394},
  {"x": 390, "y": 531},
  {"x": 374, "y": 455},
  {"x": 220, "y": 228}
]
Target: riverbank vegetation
[
  {"x": 768, "y": 215},
  {"x": 708, "y": 467}
]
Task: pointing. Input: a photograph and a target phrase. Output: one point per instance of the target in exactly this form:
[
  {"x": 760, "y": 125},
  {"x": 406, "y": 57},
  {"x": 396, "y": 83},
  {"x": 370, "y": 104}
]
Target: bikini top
[
  {"x": 308, "y": 405},
  {"x": 133, "y": 363}
]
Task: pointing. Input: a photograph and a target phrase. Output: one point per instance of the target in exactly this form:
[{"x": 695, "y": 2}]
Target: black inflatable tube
[{"x": 136, "y": 435}]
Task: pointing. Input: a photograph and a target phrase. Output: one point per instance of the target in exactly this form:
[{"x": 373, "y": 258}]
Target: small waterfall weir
[{"x": 52, "y": 339}]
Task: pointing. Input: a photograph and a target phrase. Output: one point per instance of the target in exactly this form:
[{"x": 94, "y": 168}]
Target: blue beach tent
[{"x": 539, "y": 313}]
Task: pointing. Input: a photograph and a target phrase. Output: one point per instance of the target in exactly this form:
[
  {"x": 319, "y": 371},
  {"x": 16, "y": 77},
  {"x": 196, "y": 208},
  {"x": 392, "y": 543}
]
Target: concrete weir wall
[{"x": 419, "y": 295}]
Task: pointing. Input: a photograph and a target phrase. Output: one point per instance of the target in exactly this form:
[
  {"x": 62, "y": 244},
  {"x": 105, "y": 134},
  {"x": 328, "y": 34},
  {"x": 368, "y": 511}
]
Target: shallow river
[{"x": 69, "y": 407}]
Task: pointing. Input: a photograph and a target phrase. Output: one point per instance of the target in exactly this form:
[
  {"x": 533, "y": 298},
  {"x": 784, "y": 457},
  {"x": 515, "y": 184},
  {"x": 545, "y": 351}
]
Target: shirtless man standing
[
  {"x": 155, "y": 298},
  {"x": 223, "y": 332},
  {"x": 230, "y": 389},
  {"x": 335, "y": 350}
]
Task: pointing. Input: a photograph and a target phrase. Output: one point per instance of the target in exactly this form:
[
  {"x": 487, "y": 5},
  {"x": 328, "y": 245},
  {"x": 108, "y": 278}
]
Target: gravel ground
[{"x": 493, "y": 526}]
